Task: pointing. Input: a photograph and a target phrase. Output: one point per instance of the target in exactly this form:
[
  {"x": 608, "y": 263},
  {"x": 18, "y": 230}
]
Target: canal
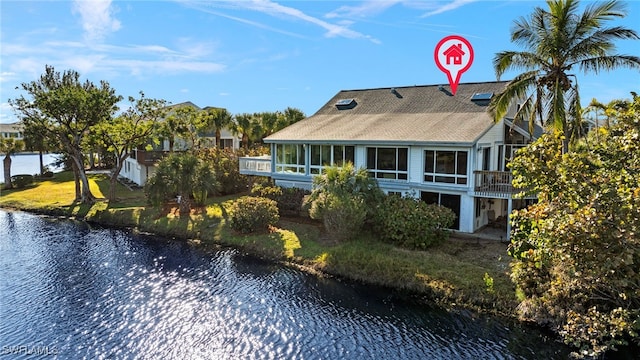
[{"x": 71, "y": 291}]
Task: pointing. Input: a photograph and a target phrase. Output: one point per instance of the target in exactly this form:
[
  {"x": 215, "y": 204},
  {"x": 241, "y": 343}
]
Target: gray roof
[{"x": 411, "y": 114}]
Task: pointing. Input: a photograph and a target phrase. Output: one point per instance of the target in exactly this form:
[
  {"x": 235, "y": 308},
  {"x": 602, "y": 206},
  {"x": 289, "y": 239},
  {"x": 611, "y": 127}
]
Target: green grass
[{"x": 450, "y": 273}]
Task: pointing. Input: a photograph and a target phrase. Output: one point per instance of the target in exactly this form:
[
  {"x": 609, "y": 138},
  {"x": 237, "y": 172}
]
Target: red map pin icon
[{"x": 453, "y": 55}]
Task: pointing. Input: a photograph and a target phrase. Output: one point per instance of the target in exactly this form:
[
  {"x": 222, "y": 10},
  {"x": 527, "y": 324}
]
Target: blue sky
[{"x": 266, "y": 55}]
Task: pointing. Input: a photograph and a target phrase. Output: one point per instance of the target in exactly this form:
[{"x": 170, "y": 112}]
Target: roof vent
[{"x": 344, "y": 104}]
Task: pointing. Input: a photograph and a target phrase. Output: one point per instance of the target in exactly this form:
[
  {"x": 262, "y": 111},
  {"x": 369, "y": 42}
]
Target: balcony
[
  {"x": 494, "y": 184},
  {"x": 255, "y": 165},
  {"x": 148, "y": 157}
]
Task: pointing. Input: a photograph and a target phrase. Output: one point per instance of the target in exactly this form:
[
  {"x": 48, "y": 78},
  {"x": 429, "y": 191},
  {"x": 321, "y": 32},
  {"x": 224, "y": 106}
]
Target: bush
[
  {"x": 289, "y": 200},
  {"x": 412, "y": 223},
  {"x": 343, "y": 215},
  {"x": 21, "y": 181},
  {"x": 250, "y": 214},
  {"x": 226, "y": 167}
]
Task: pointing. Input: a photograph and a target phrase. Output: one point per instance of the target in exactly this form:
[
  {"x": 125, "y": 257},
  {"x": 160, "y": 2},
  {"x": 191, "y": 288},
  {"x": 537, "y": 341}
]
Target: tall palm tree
[
  {"x": 216, "y": 118},
  {"x": 246, "y": 125},
  {"x": 8, "y": 147},
  {"x": 557, "y": 40}
]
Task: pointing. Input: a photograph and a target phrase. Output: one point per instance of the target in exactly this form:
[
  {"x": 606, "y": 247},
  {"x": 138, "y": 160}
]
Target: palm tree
[
  {"x": 8, "y": 147},
  {"x": 216, "y": 118},
  {"x": 556, "y": 41},
  {"x": 245, "y": 124}
]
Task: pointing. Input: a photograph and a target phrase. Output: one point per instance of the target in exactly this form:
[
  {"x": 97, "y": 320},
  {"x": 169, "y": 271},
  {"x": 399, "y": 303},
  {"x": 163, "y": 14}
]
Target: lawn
[{"x": 471, "y": 273}]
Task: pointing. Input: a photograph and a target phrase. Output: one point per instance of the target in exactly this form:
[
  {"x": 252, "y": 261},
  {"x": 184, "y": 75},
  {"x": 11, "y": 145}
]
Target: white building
[{"x": 420, "y": 141}]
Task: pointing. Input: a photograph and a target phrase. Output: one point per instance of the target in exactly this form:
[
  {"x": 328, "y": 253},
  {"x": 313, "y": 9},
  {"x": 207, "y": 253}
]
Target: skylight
[
  {"x": 482, "y": 96},
  {"x": 346, "y": 104}
]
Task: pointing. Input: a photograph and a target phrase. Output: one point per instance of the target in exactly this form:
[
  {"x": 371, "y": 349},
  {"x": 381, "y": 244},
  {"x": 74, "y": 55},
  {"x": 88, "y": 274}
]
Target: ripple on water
[{"x": 101, "y": 293}]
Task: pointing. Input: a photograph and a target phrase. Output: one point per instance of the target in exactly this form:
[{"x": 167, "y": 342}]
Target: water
[
  {"x": 29, "y": 164},
  {"x": 72, "y": 292}
]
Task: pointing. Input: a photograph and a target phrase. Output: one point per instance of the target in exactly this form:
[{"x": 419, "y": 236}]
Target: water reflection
[{"x": 102, "y": 293}]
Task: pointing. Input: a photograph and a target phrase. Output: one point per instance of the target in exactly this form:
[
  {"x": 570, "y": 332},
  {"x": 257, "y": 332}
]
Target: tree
[
  {"x": 126, "y": 132},
  {"x": 556, "y": 41},
  {"x": 217, "y": 119},
  {"x": 184, "y": 175},
  {"x": 576, "y": 252},
  {"x": 36, "y": 140},
  {"x": 245, "y": 125},
  {"x": 343, "y": 198},
  {"x": 65, "y": 110},
  {"x": 8, "y": 147},
  {"x": 288, "y": 117},
  {"x": 177, "y": 123}
]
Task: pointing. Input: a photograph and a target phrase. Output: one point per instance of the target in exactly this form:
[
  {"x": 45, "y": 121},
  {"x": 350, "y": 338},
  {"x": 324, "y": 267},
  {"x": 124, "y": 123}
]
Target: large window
[
  {"x": 329, "y": 155},
  {"x": 445, "y": 167},
  {"x": 446, "y": 200},
  {"x": 387, "y": 163},
  {"x": 290, "y": 158}
]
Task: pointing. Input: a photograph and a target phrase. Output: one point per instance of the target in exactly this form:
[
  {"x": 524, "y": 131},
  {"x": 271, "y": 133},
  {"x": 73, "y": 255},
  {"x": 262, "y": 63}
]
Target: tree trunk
[
  {"x": 86, "y": 197},
  {"x": 185, "y": 205},
  {"x": 7, "y": 171},
  {"x": 113, "y": 180},
  {"x": 41, "y": 162},
  {"x": 76, "y": 179},
  {"x": 218, "y": 136}
]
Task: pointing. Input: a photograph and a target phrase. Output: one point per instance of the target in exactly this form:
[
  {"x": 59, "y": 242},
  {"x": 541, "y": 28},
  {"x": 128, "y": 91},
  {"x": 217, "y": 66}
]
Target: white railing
[{"x": 258, "y": 165}]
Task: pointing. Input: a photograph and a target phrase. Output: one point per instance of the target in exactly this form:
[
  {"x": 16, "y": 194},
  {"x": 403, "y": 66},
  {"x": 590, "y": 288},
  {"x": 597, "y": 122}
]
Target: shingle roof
[{"x": 411, "y": 114}]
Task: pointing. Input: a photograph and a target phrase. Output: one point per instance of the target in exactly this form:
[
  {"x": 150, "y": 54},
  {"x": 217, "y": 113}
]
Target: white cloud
[
  {"x": 447, "y": 7},
  {"x": 97, "y": 18},
  {"x": 276, "y": 10},
  {"x": 364, "y": 9}
]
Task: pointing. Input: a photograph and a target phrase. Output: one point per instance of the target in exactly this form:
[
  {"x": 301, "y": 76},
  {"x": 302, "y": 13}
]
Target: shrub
[
  {"x": 343, "y": 198},
  {"x": 289, "y": 200},
  {"x": 412, "y": 223},
  {"x": 226, "y": 167},
  {"x": 21, "y": 181},
  {"x": 250, "y": 214},
  {"x": 343, "y": 216}
]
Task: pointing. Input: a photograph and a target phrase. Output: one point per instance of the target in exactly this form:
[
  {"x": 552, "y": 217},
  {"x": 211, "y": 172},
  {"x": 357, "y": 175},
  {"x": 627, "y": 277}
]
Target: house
[
  {"x": 14, "y": 130},
  {"x": 418, "y": 141},
  {"x": 140, "y": 164},
  {"x": 454, "y": 54}
]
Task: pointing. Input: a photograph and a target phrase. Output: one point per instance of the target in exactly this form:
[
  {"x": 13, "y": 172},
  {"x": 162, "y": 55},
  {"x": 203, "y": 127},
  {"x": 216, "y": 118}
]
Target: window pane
[
  {"x": 386, "y": 159},
  {"x": 445, "y": 162},
  {"x": 462, "y": 163},
  {"x": 402, "y": 159},
  {"x": 429, "y": 197},
  {"x": 338, "y": 155},
  {"x": 349, "y": 156},
  {"x": 300, "y": 151},
  {"x": 371, "y": 158},
  {"x": 326, "y": 155},
  {"x": 280, "y": 153},
  {"x": 315, "y": 155},
  {"x": 428, "y": 161}
]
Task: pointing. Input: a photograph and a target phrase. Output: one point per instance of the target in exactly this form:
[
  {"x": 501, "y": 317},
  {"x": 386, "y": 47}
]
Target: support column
[{"x": 509, "y": 210}]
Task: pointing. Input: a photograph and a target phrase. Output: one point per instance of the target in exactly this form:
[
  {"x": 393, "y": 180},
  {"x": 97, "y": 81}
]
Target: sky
[{"x": 266, "y": 55}]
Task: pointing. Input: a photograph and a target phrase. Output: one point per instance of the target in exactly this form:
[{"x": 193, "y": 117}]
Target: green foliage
[
  {"x": 576, "y": 252},
  {"x": 412, "y": 223},
  {"x": 225, "y": 165},
  {"x": 250, "y": 214},
  {"x": 343, "y": 198},
  {"x": 557, "y": 40},
  {"x": 290, "y": 200},
  {"x": 184, "y": 175},
  {"x": 21, "y": 181}
]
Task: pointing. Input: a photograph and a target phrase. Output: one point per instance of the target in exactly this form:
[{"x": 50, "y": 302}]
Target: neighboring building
[
  {"x": 14, "y": 130},
  {"x": 418, "y": 140},
  {"x": 140, "y": 164}
]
